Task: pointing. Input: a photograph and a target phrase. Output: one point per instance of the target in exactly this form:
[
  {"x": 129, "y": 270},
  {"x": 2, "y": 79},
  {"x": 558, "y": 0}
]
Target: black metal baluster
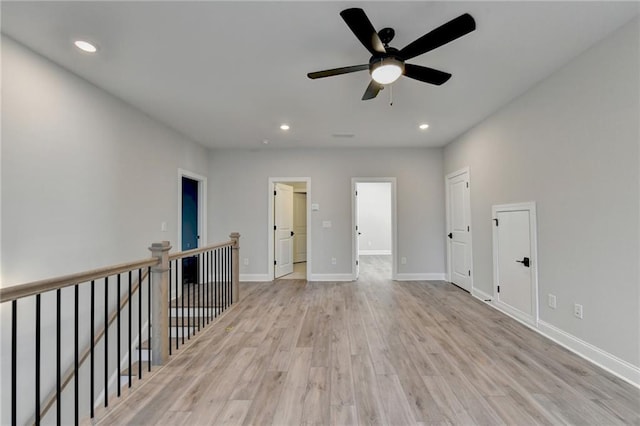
[
  {"x": 216, "y": 272},
  {"x": 210, "y": 269},
  {"x": 206, "y": 286},
  {"x": 170, "y": 305},
  {"x": 106, "y": 341},
  {"x": 130, "y": 351},
  {"x": 76, "y": 360},
  {"x": 93, "y": 299},
  {"x": 140, "y": 323},
  {"x": 149, "y": 325},
  {"x": 38, "y": 324},
  {"x": 58, "y": 360},
  {"x": 224, "y": 262},
  {"x": 118, "y": 336},
  {"x": 181, "y": 298},
  {"x": 176, "y": 311},
  {"x": 231, "y": 274},
  {"x": 197, "y": 309},
  {"x": 202, "y": 285},
  {"x": 188, "y": 308},
  {"x": 14, "y": 361}
]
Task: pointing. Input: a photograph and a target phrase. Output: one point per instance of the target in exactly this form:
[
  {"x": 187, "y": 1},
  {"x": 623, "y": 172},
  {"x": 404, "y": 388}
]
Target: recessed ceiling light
[
  {"x": 85, "y": 46},
  {"x": 266, "y": 141},
  {"x": 284, "y": 127},
  {"x": 424, "y": 126}
]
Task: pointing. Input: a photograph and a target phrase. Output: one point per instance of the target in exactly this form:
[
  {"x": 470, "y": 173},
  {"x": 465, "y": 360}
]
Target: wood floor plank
[{"x": 373, "y": 351}]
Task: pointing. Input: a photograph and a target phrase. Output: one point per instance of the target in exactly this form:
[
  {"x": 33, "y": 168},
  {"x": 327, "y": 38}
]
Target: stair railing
[{"x": 159, "y": 286}]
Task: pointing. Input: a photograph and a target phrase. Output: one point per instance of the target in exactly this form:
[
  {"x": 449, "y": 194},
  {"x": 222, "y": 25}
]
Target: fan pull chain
[{"x": 391, "y": 95}]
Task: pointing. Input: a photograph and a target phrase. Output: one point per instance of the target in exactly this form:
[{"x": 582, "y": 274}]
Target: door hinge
[
  {"x": 356, "y": 193},
  {"x": 467, "y": 184},
  {"x": 469, "y": 272},
  {"x": 496, "y": 221},
  {"x": 467, "y": 228},
  {"x": 275, "y": 228},
  {"x": 275, "y": 262},
  {"x": 498, "y": 289},
  {"x": 357, "y": 262},
  {"x": 274, "y": 193},
  {"x": 356, "y": 227}
]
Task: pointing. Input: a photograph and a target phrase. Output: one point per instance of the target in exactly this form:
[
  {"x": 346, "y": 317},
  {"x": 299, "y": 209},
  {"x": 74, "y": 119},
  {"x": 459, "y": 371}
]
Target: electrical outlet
[
  {"x": 403, "y": 260},
  {"x": 246, "y": 261},
  {"x": 577, "y": 311},
  {"x": 552, "y": 301},
  {"x": 333, "y": 261},
  {"x": 163, "y": 227}
]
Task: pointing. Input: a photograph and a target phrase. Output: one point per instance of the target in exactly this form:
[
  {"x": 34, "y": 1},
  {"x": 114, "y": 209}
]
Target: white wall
[
  {"x": 571, "y": 145},
  {"x": 238, "y": 189},
  {"x": 86, "y": 182},
  {"x": 374, "y": 217}
]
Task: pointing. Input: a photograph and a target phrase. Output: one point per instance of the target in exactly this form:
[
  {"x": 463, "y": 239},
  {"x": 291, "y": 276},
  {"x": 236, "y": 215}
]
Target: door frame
[
  {"x": 533, "y": 241},
  {"x": 464, "y": 170},
  {"x": 202, "y": 206},
  {"x": 271, "y": 218},
  {"x": 394, "y": 224}
]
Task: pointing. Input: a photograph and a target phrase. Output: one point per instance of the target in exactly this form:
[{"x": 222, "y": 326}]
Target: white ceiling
[{"x": 227, "y": 74}]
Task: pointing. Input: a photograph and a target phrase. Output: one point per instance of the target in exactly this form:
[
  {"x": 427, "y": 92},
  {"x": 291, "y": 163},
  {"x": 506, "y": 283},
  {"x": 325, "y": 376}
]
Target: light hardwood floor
[{"x": 374, "y": 352}]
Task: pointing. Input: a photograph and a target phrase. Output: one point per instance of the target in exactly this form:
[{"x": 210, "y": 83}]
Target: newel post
[
  {"x": 160, "y": 304},
  {"x": 235, "y": 267}
]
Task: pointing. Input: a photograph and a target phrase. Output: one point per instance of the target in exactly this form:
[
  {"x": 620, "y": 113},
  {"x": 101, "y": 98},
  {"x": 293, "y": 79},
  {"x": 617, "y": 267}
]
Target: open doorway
[
  {"x": 374, "y": 225},
  {"x": 191, "y": 225},
  {"x": 289, "y": 239}
]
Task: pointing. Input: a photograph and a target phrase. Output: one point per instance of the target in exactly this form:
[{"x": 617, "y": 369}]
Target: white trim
[
  {"x": 270, "y": 214},
  {"x": 394, "y": 223},
  {"x": 202, "y": 207},
  {"x": 533, "y": 241},
  {"x": 421, "y": 277},
  {"x": 255, "y": 277},
  {"x": 330, "y": 277},
  {"x": 479, "y": 294},
  {"x": 375, "y": 252},
  {"x": 464, "y": 170},
  {"x": 618, "y": 367}
]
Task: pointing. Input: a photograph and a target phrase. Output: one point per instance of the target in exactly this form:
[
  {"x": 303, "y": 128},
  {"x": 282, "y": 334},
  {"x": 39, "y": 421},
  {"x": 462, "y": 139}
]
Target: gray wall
[
  {"x": 86, "y": 182},
  {"x": 571, "y": 145},
  {"x": 86, "y": 179},
  {"x": 238, "y": 200}
]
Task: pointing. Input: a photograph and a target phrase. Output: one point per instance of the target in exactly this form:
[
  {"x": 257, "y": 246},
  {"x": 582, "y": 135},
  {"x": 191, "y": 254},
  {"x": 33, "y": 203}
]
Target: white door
[
  {"x": 283, "y": 215},
  {"x": 459, "y": 229},
  {"x": 299, "y": 227},
  {"x": 514, "y": 261}
]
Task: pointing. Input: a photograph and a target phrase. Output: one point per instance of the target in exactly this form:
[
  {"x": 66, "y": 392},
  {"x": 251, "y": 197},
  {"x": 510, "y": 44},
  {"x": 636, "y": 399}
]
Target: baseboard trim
[
  {"x": 374, "y": 252},
  {"x": 331, "y": 277},
  {"x": 479, "y": 294},
  {"x": 603, "y": 359},
  {"x": 421, "y": 277},
  {"x": 255, "y": 277},
  {"x": 614, "y": 365}
]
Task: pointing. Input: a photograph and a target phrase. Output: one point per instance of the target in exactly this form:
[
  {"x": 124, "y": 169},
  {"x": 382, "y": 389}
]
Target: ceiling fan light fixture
[
  {"x": 387, "y": 70},
  {"x": 85, "y": 46}
]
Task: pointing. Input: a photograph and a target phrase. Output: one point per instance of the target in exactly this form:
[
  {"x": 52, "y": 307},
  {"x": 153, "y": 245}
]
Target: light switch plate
[{"x": 326, "y": 224}]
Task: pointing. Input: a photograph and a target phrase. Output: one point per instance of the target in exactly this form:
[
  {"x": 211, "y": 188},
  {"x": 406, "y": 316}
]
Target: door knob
[
  {"x": 359, "y": 233},
  {"x": 524, "y": 261},
  {"x": 293, "y": 233},
  {"x": 450, "y": 235}
]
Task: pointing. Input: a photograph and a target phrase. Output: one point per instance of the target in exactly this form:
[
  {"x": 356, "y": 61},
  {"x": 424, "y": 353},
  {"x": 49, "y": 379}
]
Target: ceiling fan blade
[
  {"x": 427, "y": 75},
  {"x": 357, "y": 20},
  {"x": 337, "y": 71},
  {"x": 372, "y": 90},
  {"x": 442, "y": 35}
]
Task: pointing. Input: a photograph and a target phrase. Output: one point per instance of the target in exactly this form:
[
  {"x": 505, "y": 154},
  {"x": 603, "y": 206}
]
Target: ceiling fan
[{"x": 388, "y": 63}]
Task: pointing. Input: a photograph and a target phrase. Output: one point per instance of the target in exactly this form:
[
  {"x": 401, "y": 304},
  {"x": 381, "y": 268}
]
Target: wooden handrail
[
  {"x": 195, "y": 251},
  {"x": 8, "y": 294}
]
